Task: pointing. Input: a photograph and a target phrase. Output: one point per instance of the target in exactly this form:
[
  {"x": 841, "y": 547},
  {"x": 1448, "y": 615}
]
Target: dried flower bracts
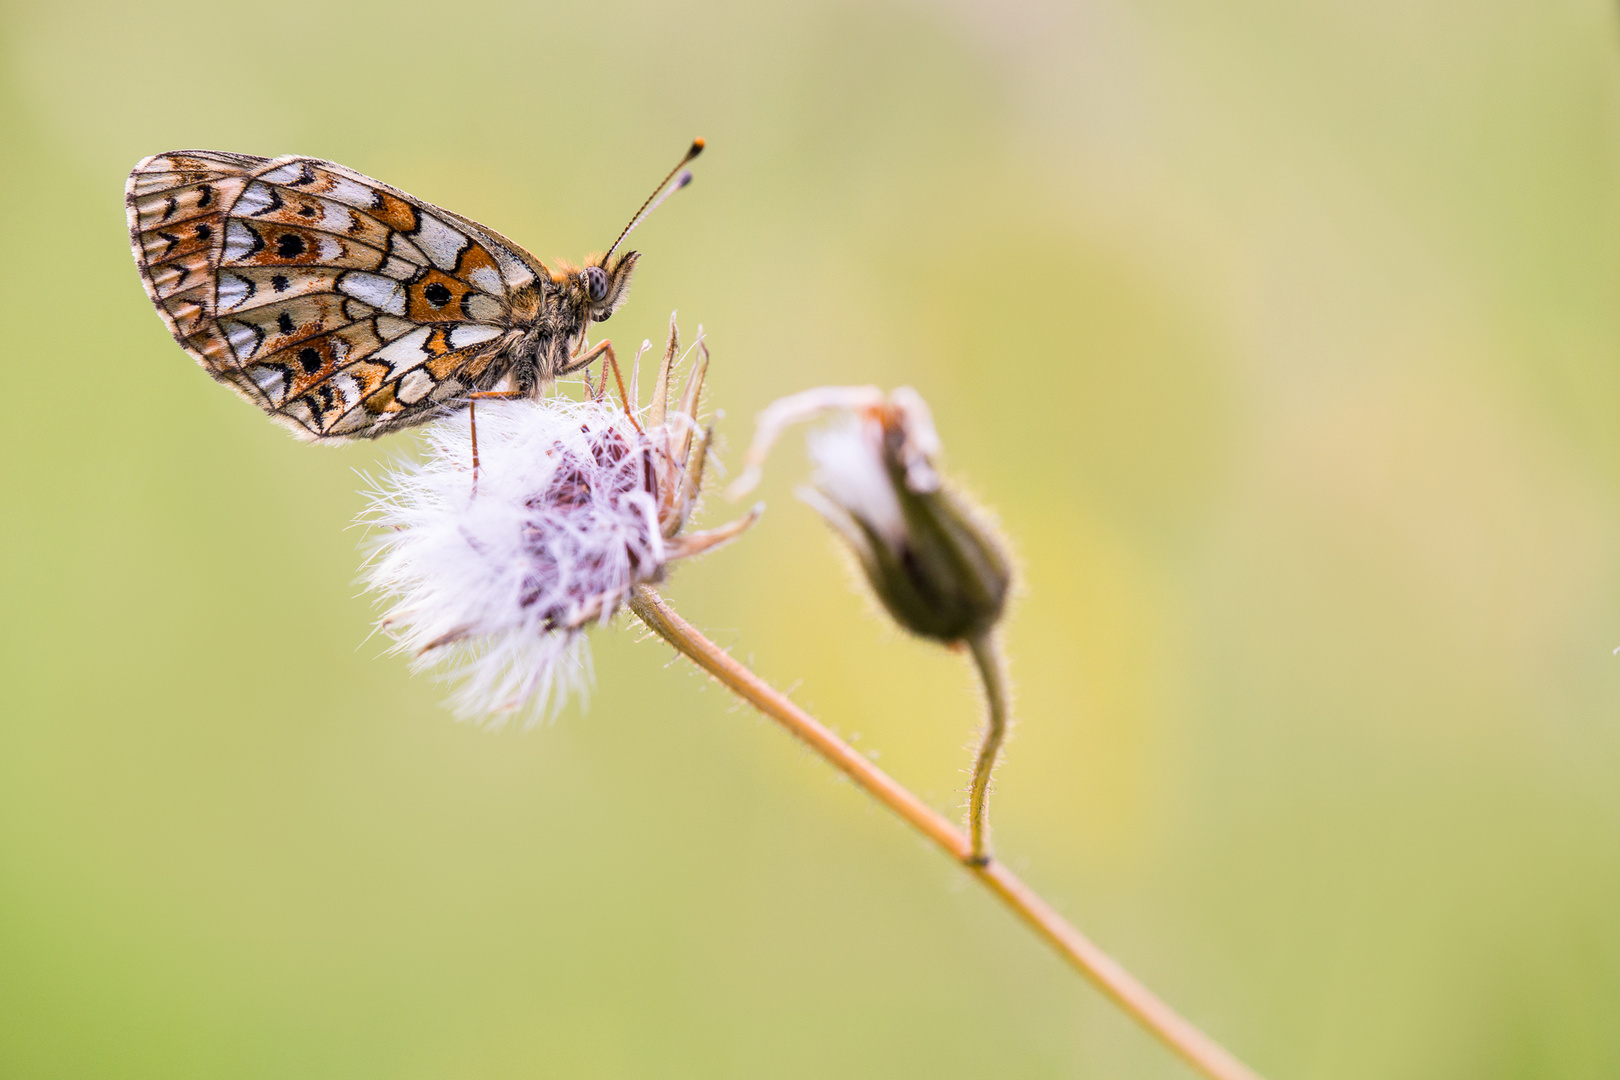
[{"x": 574, "y": 504}]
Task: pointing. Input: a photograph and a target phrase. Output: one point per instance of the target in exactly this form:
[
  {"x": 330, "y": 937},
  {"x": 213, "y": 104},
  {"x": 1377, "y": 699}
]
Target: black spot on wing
[{"x": 322, "y": 400}]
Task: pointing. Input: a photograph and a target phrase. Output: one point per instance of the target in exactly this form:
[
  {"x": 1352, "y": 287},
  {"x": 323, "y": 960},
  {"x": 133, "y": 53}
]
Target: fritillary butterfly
[{"x": 345, "y": 308}]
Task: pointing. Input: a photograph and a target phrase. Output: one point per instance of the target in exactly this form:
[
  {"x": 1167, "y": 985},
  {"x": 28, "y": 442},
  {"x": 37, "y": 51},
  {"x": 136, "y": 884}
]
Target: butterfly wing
[{"x": 340, "y": 306}]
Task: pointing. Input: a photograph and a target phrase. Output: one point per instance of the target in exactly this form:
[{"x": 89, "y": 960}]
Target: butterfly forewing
[{"x": 341, "y": 306}]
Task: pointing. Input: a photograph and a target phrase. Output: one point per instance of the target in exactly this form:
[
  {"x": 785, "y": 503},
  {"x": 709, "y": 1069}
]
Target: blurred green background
[{"x": 1284, "y": 339}]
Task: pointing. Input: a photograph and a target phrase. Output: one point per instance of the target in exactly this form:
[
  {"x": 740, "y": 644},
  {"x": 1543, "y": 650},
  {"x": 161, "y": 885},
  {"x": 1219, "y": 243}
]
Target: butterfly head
[{"x": 602, "y": 286}]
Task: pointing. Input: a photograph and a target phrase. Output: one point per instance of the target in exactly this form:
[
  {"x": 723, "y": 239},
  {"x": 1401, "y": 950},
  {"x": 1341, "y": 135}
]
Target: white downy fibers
[{"x": 495, "y": 586}]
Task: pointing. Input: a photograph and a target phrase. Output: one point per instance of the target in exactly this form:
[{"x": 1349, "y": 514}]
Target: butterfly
[{"x": 345, "y": 308}]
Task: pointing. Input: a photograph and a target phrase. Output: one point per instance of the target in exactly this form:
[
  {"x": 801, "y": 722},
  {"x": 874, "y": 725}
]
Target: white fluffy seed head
[{"x": 495, "y": 588}]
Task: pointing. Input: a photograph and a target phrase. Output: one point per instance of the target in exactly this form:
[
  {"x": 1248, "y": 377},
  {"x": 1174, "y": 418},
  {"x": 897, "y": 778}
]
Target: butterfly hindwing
[{"x": 339, "y": 305}]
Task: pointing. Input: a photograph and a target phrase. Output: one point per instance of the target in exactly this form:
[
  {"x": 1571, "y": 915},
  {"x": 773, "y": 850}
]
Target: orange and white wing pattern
[{"x": 341, "y": 306}]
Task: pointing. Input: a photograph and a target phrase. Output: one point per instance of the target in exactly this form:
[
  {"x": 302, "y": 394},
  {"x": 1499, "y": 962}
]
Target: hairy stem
[
  {"x": 1196, "y": 1048},
  {"x": 988, "y": 660}
]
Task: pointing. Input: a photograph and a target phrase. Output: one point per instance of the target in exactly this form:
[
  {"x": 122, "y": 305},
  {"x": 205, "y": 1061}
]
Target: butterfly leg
[
  {"x": 472, "y": 422},
  {"x": 604, "y": 348},
  {"x": 586, "y": 358}
]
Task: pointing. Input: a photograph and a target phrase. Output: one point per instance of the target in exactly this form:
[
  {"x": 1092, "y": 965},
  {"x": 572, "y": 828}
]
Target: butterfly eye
[{"x": 596, "y": 284}]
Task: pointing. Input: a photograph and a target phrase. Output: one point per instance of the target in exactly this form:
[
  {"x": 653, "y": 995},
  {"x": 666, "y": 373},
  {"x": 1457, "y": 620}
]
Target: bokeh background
[{"x": 1283, "y": 338}]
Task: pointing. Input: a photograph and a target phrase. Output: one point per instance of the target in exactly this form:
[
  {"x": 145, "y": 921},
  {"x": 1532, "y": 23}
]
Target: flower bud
[{"x": 929, "y": 555}]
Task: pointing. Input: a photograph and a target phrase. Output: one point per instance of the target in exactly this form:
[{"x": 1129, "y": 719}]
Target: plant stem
[
  {"x": 1196, "y": 1048},
  {"x": 988, "y": 660}
]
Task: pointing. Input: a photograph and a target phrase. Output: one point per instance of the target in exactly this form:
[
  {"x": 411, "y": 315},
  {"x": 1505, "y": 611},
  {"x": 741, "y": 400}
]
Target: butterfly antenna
[{"x": 663, "y": 191}]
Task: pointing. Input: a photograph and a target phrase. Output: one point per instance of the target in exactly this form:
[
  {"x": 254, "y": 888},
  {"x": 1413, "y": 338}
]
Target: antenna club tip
[{"x": 697, "y": 148}]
